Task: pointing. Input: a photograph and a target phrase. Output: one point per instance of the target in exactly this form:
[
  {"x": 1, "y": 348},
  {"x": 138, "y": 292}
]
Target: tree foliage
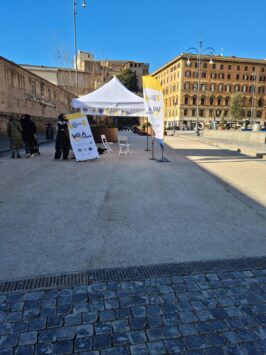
[
  {"x": 129, "y": 79},
  {"x": 236, "y": 107}
]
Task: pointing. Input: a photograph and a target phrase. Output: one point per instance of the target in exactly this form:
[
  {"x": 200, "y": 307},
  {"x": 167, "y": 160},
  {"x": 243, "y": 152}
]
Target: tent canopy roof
[{"x": 112, "y": 94}]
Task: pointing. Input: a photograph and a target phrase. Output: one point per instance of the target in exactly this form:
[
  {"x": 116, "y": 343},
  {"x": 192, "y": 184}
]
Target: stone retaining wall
[{"x": 237, "y": 136}]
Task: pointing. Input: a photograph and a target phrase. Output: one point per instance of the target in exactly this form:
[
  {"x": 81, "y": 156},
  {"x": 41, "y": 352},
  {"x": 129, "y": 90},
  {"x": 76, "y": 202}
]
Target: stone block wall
[{"x": 23, "y": 92}]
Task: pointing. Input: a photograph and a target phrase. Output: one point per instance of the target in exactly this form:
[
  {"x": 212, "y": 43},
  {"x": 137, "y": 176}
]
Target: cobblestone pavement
[{"x": 215, "y": 313}]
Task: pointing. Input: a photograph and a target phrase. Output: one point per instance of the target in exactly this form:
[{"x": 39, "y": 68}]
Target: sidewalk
[
  {"x": 258, "y": 151},
  {"x": 5, "y": 143},
  {"x": 204, "y": 313}
]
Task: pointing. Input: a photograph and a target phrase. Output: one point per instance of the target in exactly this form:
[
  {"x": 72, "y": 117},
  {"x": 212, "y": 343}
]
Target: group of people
[{"x": 21, "y": 132}]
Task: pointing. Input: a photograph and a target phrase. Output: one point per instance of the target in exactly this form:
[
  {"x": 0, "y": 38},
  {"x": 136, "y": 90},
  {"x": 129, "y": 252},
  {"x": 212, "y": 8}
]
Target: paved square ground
[{"x": 61, "y": 216}]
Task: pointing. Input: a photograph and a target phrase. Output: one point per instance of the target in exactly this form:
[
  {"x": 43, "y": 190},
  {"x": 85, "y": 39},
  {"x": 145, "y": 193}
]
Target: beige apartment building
[
  {"x": 213, "y": 83},
  {"x": 91, "y": 73}
]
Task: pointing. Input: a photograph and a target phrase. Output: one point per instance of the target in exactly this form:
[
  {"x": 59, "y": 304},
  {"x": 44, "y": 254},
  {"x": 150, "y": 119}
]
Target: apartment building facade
[{"x": 211, "y": 82}]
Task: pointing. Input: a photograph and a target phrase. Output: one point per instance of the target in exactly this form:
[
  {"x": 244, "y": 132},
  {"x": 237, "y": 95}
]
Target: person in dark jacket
[
  {"x": 62, "y": 142},
  {"x": 29, "y": 130},
  {"x": 14, "y": 132}
]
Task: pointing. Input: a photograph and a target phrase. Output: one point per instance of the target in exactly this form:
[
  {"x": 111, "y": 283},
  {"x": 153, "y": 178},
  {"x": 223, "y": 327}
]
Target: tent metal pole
[
  {"x": 152, "y": 147},
  {"x": 147, "y": 149}
]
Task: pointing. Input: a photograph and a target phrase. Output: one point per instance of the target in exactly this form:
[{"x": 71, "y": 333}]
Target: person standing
[
  {"x": 14, "y": 132},
  {"x": 62, "y": 142},
  {"x": 29, "y": 130}
]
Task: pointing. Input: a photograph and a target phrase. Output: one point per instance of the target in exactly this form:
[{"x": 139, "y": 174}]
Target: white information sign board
[{"x": 81, "y": 138}]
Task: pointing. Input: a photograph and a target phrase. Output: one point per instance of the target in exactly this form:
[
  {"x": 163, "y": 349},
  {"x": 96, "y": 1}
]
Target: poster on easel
[{"x": 81, "y": 138}]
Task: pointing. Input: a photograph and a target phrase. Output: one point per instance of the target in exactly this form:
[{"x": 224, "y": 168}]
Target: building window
[
  {"x": 201, "y": 113},
  {"x": 225, "y": 113},
  {"x": 212, "y": 87},
  {"x": 219, "y": 100},
  {"x": 42, "y": 89},
  {"x": 194, "y": 113},
  {"x": 214, "y": 66},
  {"x": 203, "y": 87},
  {"x": 227, "y": 101},
  {"x": 210, "y": 113},
  {"x": 186, "y": 100},
  {"x": 185, "y": 112},
  {"x": 261, "y": 89},
  {"x": 249, "y": 114},
  {"x": 253, "y": 68},
  {"x": 213, "y": 75},
  {"x": 221, "y": 66},
  {"x": 244, "y": 88},
  {"x": 260, "y": 102},
  {"x": 251, "y": 88},
  {"x": 49, "y": 94},
  {"x": 187, "y": 86},
  {"x": 258, "y": 114},
  {"x": 194, "y": 100},
  {"x": 33, "y": 88},
  {"x": 237, "y": 88},
  {"x": 227, "y": 88},
  {"x": 237, "y": 76},
  {"x": 221, "y": 76},
  {"x": 187, "y": 74},
  {"x": 220, "y": 87},
  {"x": 238, "y": 67},
  {"x": 246, "y": 68},
  {"x": 211, "y": 100},
  {"x": 204, "y": 65},
  {"x": 202, "y": 100},
  {"x": 195, "y": 74},
  {"x": 228, "y": 76},
  {"x": 229, "y": 67},
  {"x": 203, "y": 75},
  {"x": 195, "y": 86}
]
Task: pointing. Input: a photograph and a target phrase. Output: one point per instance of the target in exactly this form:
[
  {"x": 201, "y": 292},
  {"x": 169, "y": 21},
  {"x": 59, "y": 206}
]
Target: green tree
[
  {"x": 129, "y": 79},
  {"x": 236, "y": 107}
]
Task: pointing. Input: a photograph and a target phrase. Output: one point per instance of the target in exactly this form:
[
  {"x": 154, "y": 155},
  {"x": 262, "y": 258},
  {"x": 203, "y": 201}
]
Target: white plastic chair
[
  {"x": 106, "y": 144},
  {"x": 123, "y": 145}
]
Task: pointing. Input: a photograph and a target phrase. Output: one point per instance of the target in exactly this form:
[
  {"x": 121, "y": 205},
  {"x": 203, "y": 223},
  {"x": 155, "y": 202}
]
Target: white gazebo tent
[{"x": 112, "y": 99}]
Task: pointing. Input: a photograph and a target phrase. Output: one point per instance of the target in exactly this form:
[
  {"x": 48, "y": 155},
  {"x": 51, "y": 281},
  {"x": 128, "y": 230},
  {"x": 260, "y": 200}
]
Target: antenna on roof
[{"x": 222, "y": 52}]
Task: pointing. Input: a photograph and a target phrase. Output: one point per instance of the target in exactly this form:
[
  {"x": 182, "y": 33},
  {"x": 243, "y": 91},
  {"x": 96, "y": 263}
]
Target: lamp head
[
  {"x": 84, "y": 3},
  {"x": 211, "y": 61},
  {"x": 188, "y": 62}
]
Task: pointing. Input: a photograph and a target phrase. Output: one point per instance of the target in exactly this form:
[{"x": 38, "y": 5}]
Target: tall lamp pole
[
  {"x": 175, "y": 113},
  {"x": 75, "y": 39},
  {"x": 254, "y": 77},
  {"x": 199, "y": 52}
]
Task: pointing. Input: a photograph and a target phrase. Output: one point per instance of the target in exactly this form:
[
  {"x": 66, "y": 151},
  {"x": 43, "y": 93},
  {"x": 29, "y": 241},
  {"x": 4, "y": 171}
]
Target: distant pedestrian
[
  {"x": 14, "y": 132},
  {"x": 62, "y": 142},
  {"x": 29, "y": 131}
]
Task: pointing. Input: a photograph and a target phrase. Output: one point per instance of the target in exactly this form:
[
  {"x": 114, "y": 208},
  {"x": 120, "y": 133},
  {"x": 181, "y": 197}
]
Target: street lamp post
[
  {"x": 175, "y": 111},
  {"x": 254, "y": 77},
  {"x": 199, "y": 52},
  {"x": 75, "y": 39}
]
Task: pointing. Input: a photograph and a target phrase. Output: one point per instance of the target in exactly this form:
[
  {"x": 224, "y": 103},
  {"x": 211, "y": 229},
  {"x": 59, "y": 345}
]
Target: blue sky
[{"x": 152, "y": 31}]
